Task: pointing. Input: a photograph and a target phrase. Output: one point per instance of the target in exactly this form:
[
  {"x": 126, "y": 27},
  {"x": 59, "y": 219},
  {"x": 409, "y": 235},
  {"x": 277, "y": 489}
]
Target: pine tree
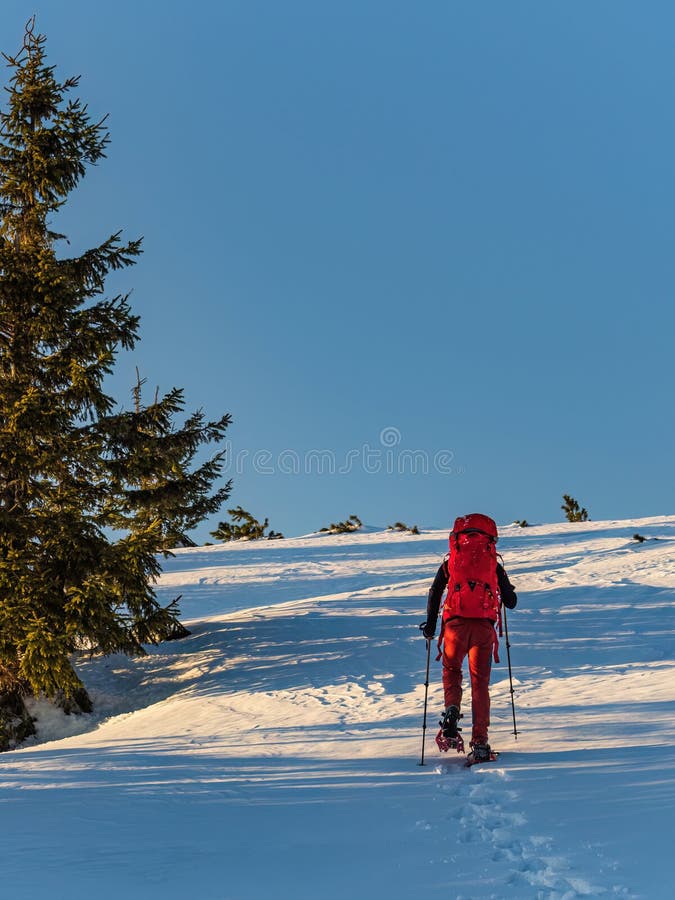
[
  {"x": 88, "y": 496},
  {"x": 156, "y": 465}
]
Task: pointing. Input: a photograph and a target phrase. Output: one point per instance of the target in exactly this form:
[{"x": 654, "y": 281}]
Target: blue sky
[{"x": 453, "y": 221}]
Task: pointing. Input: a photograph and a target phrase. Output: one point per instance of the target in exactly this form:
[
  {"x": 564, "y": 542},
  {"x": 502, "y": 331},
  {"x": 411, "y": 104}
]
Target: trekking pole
[
  {"x": 426, "y": 694},
  {"x": 508, "y": 657}
]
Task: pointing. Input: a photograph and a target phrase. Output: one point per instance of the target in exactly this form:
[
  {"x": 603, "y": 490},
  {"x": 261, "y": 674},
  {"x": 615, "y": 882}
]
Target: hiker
[{"x": 477, "y": 585}]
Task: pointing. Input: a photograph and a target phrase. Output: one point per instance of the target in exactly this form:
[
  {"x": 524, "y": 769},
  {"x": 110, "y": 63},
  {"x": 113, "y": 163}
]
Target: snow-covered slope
[{"x": 275, "y": 751}]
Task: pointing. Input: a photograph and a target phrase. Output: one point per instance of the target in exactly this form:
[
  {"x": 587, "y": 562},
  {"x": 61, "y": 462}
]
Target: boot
[
  {"x": 449, "y": 722},
  {"x": 481, "y": 752}
]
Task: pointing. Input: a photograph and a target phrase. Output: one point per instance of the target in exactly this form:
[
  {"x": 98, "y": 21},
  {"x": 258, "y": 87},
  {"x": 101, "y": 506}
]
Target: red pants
[{"x": 475, "y": 638}]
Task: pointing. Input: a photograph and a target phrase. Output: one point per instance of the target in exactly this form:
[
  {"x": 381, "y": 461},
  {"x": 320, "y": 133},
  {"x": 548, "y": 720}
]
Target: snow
[{"x": 275, "y": 751}]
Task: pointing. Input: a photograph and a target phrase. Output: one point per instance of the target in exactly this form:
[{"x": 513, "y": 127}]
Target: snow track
[
  {"x": 281, "y": 739},
  {"x": 491, "y": 835}
]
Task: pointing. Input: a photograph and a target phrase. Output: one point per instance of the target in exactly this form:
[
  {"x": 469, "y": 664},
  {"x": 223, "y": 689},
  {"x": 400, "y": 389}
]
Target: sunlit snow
[{"x": 275, "y": 751}]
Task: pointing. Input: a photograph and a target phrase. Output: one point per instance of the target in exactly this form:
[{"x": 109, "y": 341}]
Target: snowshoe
[
  {"x": 481, "y": 753},
  {"x": 448, "y": 737},
  {"x": 444, "y": 744}
]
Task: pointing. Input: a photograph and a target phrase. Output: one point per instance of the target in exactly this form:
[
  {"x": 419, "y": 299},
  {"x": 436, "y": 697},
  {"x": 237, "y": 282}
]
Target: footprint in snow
[{"x": 485, "y": 811}]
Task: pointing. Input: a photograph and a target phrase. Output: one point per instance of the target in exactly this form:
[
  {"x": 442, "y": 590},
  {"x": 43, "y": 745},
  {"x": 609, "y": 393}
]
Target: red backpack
[{"x": 473, "y": 590}]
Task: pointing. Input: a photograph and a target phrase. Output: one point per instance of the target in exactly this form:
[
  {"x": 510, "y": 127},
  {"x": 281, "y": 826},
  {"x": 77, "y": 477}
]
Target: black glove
[{"x": 427, "y": 630}]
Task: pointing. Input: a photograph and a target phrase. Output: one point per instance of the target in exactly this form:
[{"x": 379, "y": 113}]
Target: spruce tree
[
  {"x": 157, "y": 466},
  {"x": 89, "y": 494}
]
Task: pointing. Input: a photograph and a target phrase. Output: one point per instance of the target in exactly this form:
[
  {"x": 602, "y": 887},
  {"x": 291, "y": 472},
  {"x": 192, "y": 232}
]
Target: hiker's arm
[
  {"x": 509, "y": 598},
  {"x": 435, "y": 597}
]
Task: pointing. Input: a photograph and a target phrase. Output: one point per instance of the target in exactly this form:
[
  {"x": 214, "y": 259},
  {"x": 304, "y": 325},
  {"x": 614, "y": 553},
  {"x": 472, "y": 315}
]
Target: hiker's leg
[
  {"x": 455, "y": 646},
  {"x": 480, "y": 665}
]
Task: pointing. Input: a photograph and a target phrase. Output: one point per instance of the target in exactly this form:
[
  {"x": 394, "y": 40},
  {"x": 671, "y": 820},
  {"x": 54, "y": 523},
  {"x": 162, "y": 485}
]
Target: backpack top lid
[{"x": 475, "y": 522}]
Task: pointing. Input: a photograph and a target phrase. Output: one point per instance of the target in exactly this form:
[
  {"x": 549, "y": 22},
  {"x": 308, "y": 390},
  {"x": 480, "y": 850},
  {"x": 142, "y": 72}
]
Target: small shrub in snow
[
  {"x": 401, "y": 526},
  {"x": 353, "y": 523},
  {"x": 245, "y": 527},
  {"x": 572, "y": 511}
]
